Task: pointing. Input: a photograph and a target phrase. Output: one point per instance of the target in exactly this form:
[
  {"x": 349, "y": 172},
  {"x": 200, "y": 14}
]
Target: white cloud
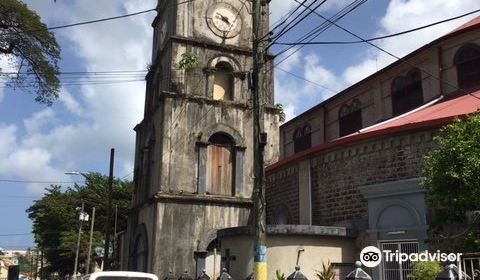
[
  {"x": 38, "y": 120},
  {"x": 297, "y": 95},
  {"x": 95, "y": 117},
  {"x": 292, "y": 58},
  {"x": 400, "y": 15},
  {"x": 103, "y": 116},
  {"x": 280, "y": 8},
  {"x": 315, "y": 72},
  {"x": 72, "y": 105},
  {"x": 403, "y": 15},
  {"x": 8, "y": 141}
]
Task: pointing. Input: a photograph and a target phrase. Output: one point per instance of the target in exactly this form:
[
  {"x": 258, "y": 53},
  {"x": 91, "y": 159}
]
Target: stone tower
[{"x": 194, "y": 158}]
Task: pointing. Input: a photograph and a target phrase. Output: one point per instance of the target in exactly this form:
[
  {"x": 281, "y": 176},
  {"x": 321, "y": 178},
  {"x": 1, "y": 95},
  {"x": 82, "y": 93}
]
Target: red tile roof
[
  {"x": 428, "y": 117},
  {"x": 467, "y": 25},
  {"x": 445, "y": 110}
]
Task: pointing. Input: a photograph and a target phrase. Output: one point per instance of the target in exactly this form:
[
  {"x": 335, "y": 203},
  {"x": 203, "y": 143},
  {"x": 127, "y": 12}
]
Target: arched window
[
  {"x": 302, "y": 138},
  {"x": 223, "y": 82},
  {"x": 350, "y": 117},
  {"x": 467, "y": 61},
  {"x": 407, "y": 93},
  {"x": 139, "y": 254},
  {"x": 221, "y": 164}
]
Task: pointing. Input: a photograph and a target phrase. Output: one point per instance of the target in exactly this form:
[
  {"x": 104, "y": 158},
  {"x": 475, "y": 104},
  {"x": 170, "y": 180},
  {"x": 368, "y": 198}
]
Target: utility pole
[
  {"x": 259, "y": 142},
  {"x": 31, "y": 262},
  {"x": 75, "y": 266},
  {"x": 36, "y": 264},
  {"x": 114, "y": 245},
  {"x": 90, "y": 241},
  {"x": 106, "y": 264},
  {"x": 41, "y": 263}
]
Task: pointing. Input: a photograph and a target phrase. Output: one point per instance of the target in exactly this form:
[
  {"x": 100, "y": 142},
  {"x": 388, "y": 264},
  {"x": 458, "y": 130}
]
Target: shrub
[{"x": 426, "y": 270}]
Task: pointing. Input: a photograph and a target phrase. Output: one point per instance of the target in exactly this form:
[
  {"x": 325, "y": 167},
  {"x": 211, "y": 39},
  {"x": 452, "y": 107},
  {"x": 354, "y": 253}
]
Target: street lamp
[
  {"x": 82, "y": 217},
  {"x": 108, "y": 210},
  {"x": 89, "y": 255},
  {"x": 73, "y": 173}
]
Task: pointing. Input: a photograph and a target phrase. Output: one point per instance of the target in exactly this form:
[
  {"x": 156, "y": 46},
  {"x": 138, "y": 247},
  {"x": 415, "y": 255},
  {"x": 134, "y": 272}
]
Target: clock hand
[{"x": 223, "y": 18}]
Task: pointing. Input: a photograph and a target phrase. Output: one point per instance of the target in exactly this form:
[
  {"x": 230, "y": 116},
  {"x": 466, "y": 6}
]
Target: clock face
[{"x": 224, "y": 20}]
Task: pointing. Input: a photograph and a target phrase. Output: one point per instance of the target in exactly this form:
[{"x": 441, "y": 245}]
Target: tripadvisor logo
[{"x": 371, "y": 256}]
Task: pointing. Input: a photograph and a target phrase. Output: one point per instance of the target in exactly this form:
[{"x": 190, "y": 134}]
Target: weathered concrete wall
[
  {"x": 188, "y": 225},
  {"x": 337, "y": 173},
  {"x": 182, "y": 115},
  {"x": 319, "y": 244}
]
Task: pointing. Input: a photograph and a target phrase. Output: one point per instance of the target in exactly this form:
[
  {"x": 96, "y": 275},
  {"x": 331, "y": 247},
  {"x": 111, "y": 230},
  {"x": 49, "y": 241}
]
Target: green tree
[
  {"x": 31, "y": 49},
  {"x": 281, "y": 115},
  {"x": 55, "y": 219},
  {"x": 425, "y": 270},
  {"x": 24, "y": 263},
  {"x": 452, "y": 181}
]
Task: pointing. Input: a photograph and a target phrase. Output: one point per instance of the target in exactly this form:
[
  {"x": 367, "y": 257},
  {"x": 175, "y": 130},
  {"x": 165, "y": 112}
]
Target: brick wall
[{"x": 336, "y": 174}]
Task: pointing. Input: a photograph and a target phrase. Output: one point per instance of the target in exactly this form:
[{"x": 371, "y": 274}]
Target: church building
[
  {"x": 355, "y": 159},
  {"x": 342, "y": 175},
  {"x": 194, "y": 160}
]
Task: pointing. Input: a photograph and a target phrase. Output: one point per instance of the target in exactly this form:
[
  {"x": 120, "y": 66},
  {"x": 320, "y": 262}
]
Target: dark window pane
[
  {"x": 467, "y": 61},
  {"x": 350, "y": 123},
  {"x": 407, "y": 92},
  {"x": 302, "y": 138}
]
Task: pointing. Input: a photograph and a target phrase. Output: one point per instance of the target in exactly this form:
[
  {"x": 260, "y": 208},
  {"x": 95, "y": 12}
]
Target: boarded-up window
[
  {"x": 350, "y": 118},
  {"x": 407, "y": 93},
  {"x": 223, "y": 82},
  {"x": 467, "y": 60},
  {"x": 221, "y": 164}
]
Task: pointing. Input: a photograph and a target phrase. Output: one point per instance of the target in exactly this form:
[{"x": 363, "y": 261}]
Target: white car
[{"x": 119, "y": 275}]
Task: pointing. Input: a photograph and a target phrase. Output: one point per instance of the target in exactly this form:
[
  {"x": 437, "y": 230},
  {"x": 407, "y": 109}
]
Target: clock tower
[{"x": 194, "y": 147}]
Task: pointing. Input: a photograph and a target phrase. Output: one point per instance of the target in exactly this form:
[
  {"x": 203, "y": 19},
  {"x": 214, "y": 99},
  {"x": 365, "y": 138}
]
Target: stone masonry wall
[
  {"x": 282, "y": 190},
  {"x": 337, "y": 173}
]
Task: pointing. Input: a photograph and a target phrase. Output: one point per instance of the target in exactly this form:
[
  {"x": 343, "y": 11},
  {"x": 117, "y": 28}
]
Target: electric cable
[
  {"x": 380, "y": 37},
  {"x": 100, "y": 20},
  {"x": 392, "y": 55},
  {"x": 285, "y": 30}
]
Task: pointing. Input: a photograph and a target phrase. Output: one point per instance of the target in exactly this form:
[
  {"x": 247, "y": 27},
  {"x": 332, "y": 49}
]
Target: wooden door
[{"x": 221, "y": 169}]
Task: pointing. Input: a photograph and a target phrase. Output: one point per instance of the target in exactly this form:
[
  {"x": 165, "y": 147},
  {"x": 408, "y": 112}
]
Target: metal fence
[{"x": 470, "y": 265}]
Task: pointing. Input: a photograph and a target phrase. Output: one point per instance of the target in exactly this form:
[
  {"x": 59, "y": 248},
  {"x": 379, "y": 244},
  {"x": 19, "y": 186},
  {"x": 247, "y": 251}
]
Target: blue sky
[{"x": 39, "y": 143}]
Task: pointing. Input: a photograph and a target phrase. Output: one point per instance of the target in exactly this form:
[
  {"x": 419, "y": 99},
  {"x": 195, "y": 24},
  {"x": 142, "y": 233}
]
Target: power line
[
  {"x": 101, "y": 19},
  {"x": 321, "y": 28},
  {"x": 302, "y": 78},
  {"x": 392, "y": 55},
  {"x": 17, "y": 196},
  {"x": 283, "y": 19},
  {"x": 287, "y": 28},
  {"x": 82, "y": 72},
  {"x": 318, "y": 30},
  {"x": 380, "y": 37},
  {"x": 286, "y": 20},
  {"x": 16, "y": 234},
  {"x": 39, "y": 182}
]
